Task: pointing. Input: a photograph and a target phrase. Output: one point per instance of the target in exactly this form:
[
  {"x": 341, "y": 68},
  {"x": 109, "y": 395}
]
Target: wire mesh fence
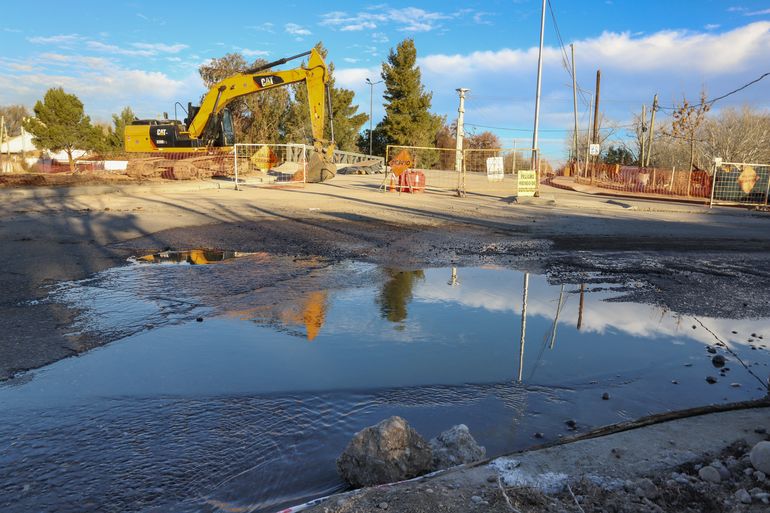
[
  {"x": 270, "y": 164},
  {"x": 741, "y": 184},
  {"x": 650, "y": 181},
  {"x": 417, "y": 168}
]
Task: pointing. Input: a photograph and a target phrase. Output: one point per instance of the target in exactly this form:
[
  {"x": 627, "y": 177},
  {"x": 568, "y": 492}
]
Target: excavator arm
[{"x": 315, "y": 75}]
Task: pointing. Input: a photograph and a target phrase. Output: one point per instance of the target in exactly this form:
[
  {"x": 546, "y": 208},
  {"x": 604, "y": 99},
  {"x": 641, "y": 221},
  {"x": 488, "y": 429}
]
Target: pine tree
[
  {"x": 347, "y": 121},
  {"x": 115, "y": 134},
  {"x": 60, "y": 123},
  {"x": 408, "y": 120}
]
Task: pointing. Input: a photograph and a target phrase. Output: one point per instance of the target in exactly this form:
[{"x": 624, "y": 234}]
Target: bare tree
[{"x": 737, "y": 136}]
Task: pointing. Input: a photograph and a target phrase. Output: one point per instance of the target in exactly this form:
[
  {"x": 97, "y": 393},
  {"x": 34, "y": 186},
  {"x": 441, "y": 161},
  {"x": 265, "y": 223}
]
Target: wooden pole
[
  {"x": 596, "y": 120},
  {"x": 574, "y": 106},
  {"x": 644, "y": 120},
  {"x": 652, "y": 128}
]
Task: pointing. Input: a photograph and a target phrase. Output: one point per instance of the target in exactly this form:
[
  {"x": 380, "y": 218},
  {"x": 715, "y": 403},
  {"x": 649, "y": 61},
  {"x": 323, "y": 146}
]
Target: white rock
[
  {"x": 760, "y": 457},
  {"x": 710, "y": 474},
  {"x": 743, "y": 496}
]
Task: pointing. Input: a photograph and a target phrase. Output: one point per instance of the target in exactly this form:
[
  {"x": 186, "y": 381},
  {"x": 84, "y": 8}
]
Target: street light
[{"x": 371, "y": 103}]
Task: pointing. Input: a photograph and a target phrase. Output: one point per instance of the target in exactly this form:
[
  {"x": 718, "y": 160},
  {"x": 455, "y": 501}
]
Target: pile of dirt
[{"x": 61, "y": 179}]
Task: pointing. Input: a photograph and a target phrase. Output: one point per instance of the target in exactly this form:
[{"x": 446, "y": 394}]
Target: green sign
[{"x": 527, "y": 183}]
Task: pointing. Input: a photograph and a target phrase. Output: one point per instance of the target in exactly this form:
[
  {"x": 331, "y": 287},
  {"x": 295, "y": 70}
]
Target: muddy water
[{"x": 227, "y": 392}]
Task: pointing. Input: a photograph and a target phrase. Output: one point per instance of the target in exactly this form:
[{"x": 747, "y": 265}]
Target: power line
[
  {"x": 542, "y": 129},
  {"x": 712, "y": 101}
]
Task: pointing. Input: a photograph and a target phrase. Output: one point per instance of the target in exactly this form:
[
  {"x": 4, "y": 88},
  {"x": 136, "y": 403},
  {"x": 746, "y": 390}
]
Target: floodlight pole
[{"x": 371, "y": 105}]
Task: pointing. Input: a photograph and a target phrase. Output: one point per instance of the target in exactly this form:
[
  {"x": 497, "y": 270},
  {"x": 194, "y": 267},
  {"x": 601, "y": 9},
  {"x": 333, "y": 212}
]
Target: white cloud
[
  {"x": 160, "y": 47},
  {"x": 406, "y": 19},
  {"x": 98, "y": 46},
  {"x": 673, "y": 51},
  {"x": 296, "y": 30},
  {"x": 253, "y": 53},
  {"x": 59, "y": 39},
  {"x": 758, "y": 13},
  {"x": 355, "y": 78},
  {"x": 263, "y": 27}
]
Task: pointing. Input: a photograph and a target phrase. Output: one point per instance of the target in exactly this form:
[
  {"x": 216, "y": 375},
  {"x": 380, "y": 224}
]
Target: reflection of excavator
[{"x": 210, "y": 125}]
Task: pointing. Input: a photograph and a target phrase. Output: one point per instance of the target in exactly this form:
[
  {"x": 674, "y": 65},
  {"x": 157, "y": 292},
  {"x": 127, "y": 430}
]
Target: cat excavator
[{"x": 207, "y": 131}]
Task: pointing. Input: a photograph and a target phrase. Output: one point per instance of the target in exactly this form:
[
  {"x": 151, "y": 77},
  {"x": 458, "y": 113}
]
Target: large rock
[
  {"x": 760, "y": 457},
  {"x": 455, "y": 446},
  {"x": 390, "y": 451}
]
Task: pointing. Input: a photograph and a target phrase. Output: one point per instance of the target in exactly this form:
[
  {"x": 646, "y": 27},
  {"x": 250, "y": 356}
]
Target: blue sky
[{"x": 146, "y": 54}]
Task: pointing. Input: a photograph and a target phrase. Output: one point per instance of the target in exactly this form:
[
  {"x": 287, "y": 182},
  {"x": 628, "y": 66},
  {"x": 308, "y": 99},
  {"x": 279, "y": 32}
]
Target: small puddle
[
  {"x": 247, "y": 409},
  {"x": 192, "y": 257}
]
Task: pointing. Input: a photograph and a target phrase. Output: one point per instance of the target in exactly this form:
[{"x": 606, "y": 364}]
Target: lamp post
[{"x": 371, "y": 104}]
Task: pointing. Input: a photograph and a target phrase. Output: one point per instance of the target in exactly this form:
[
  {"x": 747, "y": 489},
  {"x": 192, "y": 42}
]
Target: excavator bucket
[{"x": 319, "y": 168}]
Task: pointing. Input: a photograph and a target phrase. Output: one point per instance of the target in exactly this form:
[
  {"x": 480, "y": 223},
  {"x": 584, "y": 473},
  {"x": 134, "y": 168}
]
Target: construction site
[{"x": 223, "y": 311}]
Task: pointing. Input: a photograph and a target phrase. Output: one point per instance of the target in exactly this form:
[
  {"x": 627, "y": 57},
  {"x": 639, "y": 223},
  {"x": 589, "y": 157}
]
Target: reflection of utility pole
[
  {"x": 580, "y": 308},
  {"x": 453, "y": 279},
  {"x": 556, "y": 318},
  {"x": 523, "y": 324}
]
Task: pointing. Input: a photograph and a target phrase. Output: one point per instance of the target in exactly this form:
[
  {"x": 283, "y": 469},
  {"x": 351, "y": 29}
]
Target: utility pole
[
  {"x": 539, "y": 85},
  {"x": 371, "y": 104},
  {"x": 574, "y": 106},
  {"x": 652, "y": 127},
  {"x": 523, "y": 325},
  {"x": 596, "y": 120},
  {"x": 460, "y": 130},
  {"x": 643, "y": 129}
]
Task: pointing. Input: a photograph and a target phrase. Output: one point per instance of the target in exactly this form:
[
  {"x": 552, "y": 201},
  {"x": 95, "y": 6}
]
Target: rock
[
  {"x": 491, "y": 479},
  {"x": 478, "y": 500},
  {"x": 735, "y": 385},
  {"x": 455, "y": 446},
  {"x": 199, "y": 319},
  {"x": 571, "y": 424},
  {"x": 647, "y": 489},
  {"x": 538, "y": 435},
  {"x": 747, "y": 471},
  {"x": 711, "y": 350},
  {"x": 723, "y": 472},
  {"x": 711, "y": 380},
  {"x": 383, "y": 505},
  {"x": 674, "y": 382},
  {"x": 760, "y": 457},
  {"x": 760, "y": 476},
  {"x": 605, "y": 396},
  {"x": 710, "y": 474},
  {"x": 390, "y": 451},
  {"x": 743, "y": 496},
  {"x": 718, "y": 361},
  {"x": 760, "y": 430}
]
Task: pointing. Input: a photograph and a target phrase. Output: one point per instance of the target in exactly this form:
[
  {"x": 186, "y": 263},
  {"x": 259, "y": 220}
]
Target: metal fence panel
[
  {"x": 435, "y": 167},
  {"x": 270, "y": 164},
  {"x": 741, "y": 184}
]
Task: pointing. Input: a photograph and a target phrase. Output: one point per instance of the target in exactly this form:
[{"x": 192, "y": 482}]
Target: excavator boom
[{"x": 210, "y": 125}]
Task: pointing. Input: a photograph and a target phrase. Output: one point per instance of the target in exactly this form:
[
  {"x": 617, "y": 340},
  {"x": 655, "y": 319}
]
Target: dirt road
[{"x": 696, "y": 258}]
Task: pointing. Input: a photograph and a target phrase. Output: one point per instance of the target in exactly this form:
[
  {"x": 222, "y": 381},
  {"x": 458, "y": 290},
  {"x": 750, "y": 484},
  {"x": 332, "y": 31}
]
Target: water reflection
[
  {"x": 192, "y": 257},
  {"x": 397, "y": 292}
]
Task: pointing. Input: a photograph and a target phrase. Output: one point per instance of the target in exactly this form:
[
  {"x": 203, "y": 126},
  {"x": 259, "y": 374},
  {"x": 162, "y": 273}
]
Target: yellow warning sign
[
  {"x": 748, "y": 179},
  {"x": 264, "y": 159},
  {"x": 526, "y": 183},
  {"x": 401, "y": 162}
]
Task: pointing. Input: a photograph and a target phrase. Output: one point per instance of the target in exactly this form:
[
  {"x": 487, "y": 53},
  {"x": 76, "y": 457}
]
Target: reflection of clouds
[{"x": 499, "y": 290}]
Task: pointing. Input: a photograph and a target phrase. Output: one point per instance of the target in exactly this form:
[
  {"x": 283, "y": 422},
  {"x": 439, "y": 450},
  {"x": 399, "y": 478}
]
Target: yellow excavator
[{"x": 208, "y": 127}]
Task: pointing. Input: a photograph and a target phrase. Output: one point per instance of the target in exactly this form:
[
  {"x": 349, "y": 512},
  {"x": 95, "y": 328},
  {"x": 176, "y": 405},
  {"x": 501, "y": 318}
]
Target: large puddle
[{"x": 223, "y": 395}]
